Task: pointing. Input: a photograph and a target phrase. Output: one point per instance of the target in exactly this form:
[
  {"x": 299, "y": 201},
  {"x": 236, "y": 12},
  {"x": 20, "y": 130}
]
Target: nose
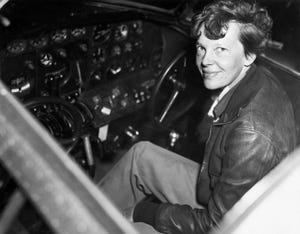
[{"x": 207, "y": 58}]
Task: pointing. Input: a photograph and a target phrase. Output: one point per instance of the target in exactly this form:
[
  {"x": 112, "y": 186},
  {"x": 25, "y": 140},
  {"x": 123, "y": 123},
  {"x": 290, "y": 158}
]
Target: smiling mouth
[{"x": 209, "y": 74}]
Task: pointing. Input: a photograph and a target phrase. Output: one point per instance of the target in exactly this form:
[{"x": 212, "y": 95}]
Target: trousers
[{"x": 147, "y": 169}]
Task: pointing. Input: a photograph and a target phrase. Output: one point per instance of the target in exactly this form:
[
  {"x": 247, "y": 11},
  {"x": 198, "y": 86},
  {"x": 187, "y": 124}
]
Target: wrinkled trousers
[{"x": 147, "y": 169}]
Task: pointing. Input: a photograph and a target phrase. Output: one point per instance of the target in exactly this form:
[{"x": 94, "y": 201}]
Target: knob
[{"x": 174, "y": 136}]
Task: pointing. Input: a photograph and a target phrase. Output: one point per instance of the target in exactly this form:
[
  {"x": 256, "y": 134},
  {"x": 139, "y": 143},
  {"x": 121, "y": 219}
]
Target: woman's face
[{"x": 223, "y": 61}]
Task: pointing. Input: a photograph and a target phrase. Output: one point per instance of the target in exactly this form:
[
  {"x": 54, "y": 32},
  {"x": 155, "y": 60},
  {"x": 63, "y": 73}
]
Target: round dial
[
  {"x": 138, "y": 27},
  {"x": 102, "y": 33},
  {"x": 128, "y": 47},
  {"x": 17, "y": 46},
  {"x": 39, "y": 42},
  {"x": 59, "y": 35},
  {"x": 46, "y": 59},
  {"x": 116, "y": 50},
  {"x": 99, "y": 55},
  {"x": 78, "y": 32},
  {"x": 121, "y": 32}
]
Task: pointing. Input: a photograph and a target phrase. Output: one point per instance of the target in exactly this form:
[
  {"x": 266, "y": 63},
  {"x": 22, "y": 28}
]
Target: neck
[{"x": 240, "y": 77}]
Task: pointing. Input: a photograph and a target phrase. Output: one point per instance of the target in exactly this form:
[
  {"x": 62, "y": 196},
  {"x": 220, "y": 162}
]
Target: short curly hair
[{"x": 255, "y": 21}]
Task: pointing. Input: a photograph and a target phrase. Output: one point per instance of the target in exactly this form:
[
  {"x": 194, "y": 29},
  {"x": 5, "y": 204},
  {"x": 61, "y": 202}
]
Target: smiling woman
[
  {"x": 251, "y": 130},
  {"x": 101, "y": 77},
  {"x": 222, "y": 62}
]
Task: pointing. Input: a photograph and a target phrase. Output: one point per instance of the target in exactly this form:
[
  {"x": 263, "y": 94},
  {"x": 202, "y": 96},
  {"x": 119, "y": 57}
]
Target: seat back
[{"x": 290, "y": 81}]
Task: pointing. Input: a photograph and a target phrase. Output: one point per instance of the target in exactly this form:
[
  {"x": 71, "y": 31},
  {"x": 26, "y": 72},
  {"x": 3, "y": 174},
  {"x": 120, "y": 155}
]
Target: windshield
[
  {"x": 286, "y": 32},
  {"x": 166, "y": 4}
]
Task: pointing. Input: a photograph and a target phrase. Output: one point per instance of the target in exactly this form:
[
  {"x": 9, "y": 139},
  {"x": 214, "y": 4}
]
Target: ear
[{"x": 250, "y": 58}]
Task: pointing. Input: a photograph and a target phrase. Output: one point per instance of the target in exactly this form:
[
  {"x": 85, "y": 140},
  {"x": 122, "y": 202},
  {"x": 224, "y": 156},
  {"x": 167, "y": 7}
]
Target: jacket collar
[{"x": 239, "y": 96}]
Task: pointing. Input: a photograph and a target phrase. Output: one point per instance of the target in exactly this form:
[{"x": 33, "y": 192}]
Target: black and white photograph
[{"x": 149, "y": 116}]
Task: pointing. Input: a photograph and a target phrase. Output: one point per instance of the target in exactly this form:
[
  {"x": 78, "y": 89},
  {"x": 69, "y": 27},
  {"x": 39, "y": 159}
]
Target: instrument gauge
[
  {"x": 59, "y": 36},
  {"x": 128, "y": 47},
  {"x": 99, "y": 55},
  {"x": 17, "y": 46},
  {"x": 21, "y": 85},
  {"x": 138, "y": 27},
  {"x": 78, "y": 32},
  {"x": 39, "y": 42},
  {"x": 121, "y": 32},
  {"x": 46, "y": 59},
  {"x": 102, "y": 33},
  {"x": 116, "y": 50}
]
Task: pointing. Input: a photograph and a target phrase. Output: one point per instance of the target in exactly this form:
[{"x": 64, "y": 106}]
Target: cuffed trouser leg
[{"x": 149, "y": 169}]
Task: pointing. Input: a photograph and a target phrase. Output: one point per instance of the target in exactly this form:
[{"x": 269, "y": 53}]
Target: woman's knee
[
  {"x": 139, "y": 149},
  {"x": 145, "y": 153}
]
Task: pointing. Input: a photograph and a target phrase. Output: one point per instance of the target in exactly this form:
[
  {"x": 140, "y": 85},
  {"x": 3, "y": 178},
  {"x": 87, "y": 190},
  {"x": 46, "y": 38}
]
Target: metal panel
[{"x": 58, "y": 188}]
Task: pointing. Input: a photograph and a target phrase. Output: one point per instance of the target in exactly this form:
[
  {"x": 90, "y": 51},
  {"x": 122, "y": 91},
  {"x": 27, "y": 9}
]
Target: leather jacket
[{"x": 253, "y": 130}]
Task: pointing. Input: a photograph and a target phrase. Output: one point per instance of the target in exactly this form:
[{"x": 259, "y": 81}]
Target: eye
[
  {"x": 200, "y": 49},
  {"x": 220, "y": 49}
]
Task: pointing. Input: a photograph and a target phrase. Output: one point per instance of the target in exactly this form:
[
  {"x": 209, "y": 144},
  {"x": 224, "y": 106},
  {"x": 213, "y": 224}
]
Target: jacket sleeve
[{"x": 248, "y": 156}]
